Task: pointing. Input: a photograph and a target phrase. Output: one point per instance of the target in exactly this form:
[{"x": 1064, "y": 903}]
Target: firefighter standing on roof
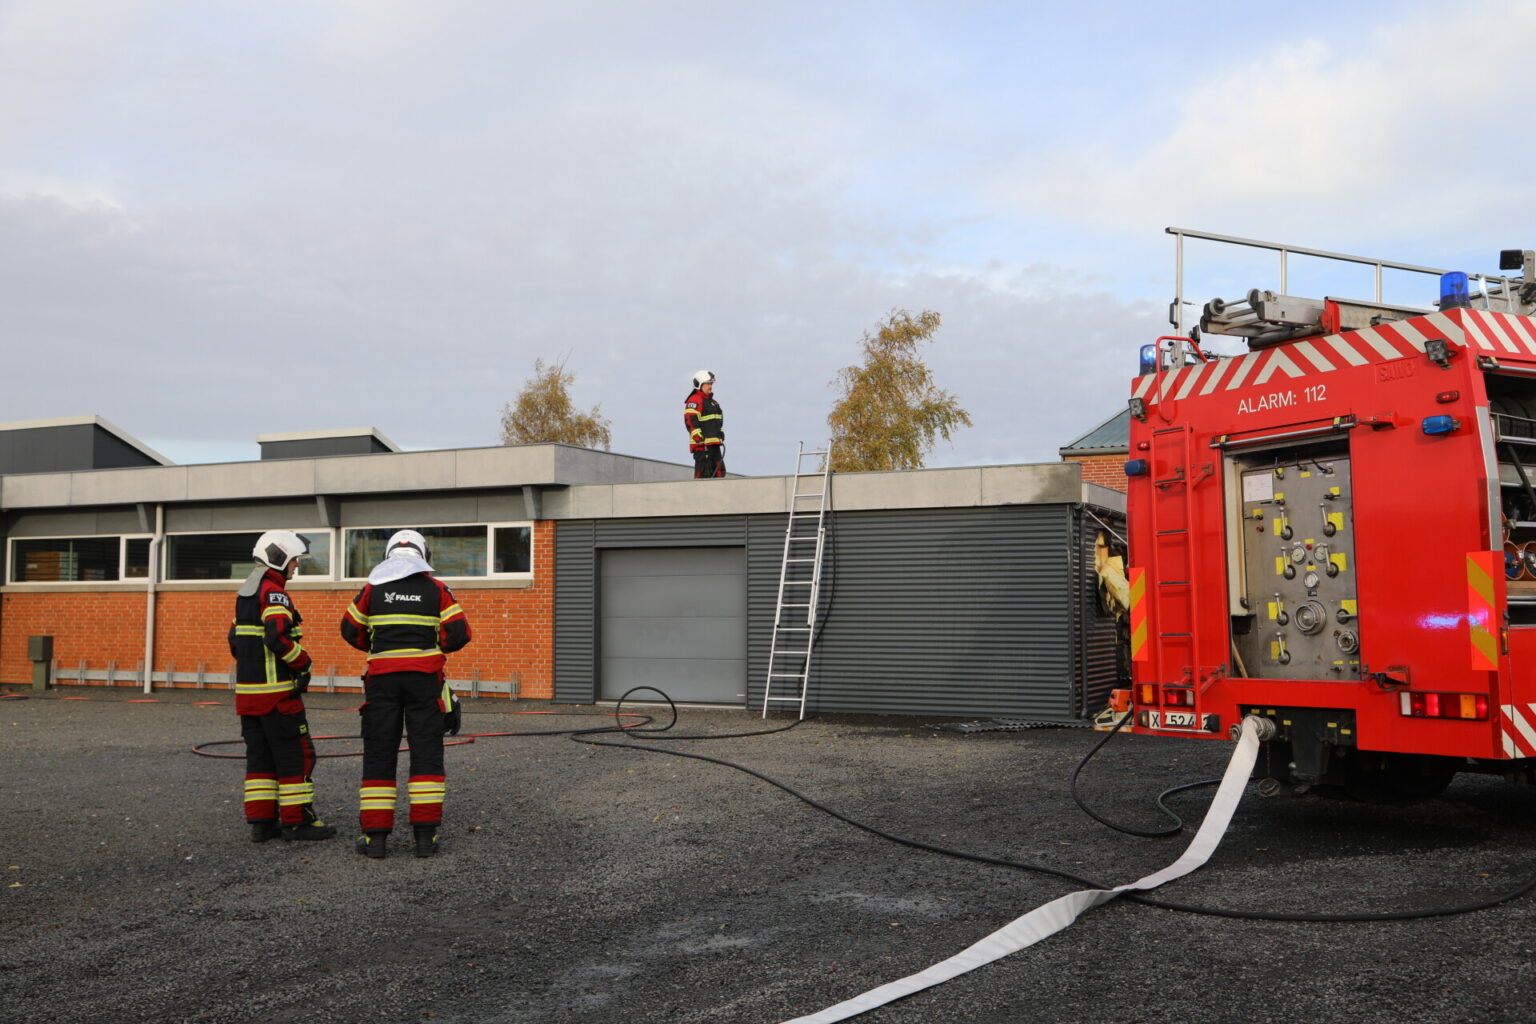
[
  {"x": 706, "y": 427},
  {"x": 271, "y": 676},
  {"x": 408, "y": 622}
]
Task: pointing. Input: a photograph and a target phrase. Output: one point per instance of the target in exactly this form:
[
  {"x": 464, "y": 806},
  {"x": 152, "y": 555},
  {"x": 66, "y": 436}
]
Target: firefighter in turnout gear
[
  {"x": 408, "y": 622},
  {"x": 272, "y": 674},
  {"x": 706, "y": 427}
]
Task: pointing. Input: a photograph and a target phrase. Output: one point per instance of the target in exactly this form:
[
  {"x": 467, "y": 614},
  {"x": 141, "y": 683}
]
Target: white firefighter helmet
[
  {"x": 403, "y": 541},
  {"x": 277, "y": 548},
  {"x": 703, "y": 377}
]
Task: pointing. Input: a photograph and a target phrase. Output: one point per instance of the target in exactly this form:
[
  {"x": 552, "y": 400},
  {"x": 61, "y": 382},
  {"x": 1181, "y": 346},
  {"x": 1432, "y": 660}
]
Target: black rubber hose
[
  {"x": 696, "y": 736},
  {"x": 1178, "y": 822},
  {"x": 586, "y": 736},
  {"x": 1257, "y": 915}
]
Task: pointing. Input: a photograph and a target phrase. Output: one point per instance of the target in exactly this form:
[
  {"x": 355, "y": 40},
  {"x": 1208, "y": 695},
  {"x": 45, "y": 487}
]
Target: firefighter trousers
[
  {"x": 279, "y": 759},
  {"x": 709, "y": 462},
  {"x": 396, "y": 701}
]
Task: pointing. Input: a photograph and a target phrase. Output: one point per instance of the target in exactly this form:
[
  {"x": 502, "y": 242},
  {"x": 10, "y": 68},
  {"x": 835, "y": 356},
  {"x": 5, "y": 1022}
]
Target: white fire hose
[{"x": 1047, "y": 920}]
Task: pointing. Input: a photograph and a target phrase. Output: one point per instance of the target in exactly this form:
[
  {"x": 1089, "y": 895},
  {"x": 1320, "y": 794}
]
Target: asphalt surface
[{"x": 591, "y": 884}]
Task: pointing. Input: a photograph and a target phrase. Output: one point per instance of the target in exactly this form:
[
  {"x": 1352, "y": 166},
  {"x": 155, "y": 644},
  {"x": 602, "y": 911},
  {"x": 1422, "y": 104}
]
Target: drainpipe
[{"x": 155, "y": 544}]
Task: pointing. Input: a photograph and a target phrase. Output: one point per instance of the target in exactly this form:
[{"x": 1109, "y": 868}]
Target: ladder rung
[{"x": 799, "y": 529}]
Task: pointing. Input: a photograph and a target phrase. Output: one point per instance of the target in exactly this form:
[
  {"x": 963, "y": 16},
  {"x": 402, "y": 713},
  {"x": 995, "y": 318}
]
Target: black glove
[
  {"x": 454, "y": 718},
  {"x": 301, "y": 682}
]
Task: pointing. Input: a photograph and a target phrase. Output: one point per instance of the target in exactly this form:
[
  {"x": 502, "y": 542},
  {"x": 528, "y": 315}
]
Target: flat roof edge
[{"x": 316, "y": 435}]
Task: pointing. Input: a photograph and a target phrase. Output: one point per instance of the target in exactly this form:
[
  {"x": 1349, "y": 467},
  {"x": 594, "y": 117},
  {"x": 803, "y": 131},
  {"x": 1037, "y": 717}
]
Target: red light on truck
[
  {"x": 1447, "y": 397},
  {"x": 1470, "y": 706},
  {"x": 1176, "y": 698}
]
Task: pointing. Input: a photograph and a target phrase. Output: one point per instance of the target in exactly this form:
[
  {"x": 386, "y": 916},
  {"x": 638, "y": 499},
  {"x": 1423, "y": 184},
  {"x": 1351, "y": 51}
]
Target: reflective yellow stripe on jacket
[
  {"x": 403, "y": 620},
  {"x": 251, "y": 689},
  {"x": 406, "y": 653}
]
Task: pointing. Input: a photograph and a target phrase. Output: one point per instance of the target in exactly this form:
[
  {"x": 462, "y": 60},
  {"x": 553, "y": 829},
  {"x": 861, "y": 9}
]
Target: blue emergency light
[
  {"x": 1148, "y": 359},
  {"x": 1136, "y": 467},
  {"x": 1433, "y": 425},
  {"x": 1454, "y": 291}
]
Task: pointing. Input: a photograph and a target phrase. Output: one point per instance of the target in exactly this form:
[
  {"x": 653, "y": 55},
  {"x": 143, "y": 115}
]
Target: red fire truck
[{"x": 1335, "y": 530}]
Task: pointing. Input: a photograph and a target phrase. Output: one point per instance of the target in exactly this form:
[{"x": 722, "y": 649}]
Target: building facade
[
  {"x": 584, "y": 574},
  {"x": 1102, "y": 451}
]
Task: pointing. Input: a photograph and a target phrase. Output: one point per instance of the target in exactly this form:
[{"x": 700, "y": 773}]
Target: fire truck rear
[{"x": 1336, "y": 531}]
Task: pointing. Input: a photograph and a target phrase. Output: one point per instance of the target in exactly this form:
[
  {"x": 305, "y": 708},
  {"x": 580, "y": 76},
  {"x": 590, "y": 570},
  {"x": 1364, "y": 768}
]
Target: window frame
[
  {"x": 490, "y": 528},
  {"x": 122, "y": 560},
  {"x": 299, "y": 577}
]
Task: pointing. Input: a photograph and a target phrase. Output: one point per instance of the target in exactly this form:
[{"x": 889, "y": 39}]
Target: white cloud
[
  {"x": 1399, "y": 132},
  {"x": 220, "y": 220}
]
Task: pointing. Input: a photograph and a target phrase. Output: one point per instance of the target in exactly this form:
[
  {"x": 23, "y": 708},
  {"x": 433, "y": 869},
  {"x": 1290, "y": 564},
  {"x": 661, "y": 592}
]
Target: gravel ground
[{"x": 583, "y": 883}]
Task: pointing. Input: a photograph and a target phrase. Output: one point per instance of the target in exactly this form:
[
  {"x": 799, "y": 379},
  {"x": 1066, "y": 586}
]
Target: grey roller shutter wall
[
  {"x": 674, "y": 619},
  {"x": 957, "y": 612},
  {"x": 575, "y": 612},
  {"x": 1097, "y": 638},
  {"x": 945, "y": 612}
]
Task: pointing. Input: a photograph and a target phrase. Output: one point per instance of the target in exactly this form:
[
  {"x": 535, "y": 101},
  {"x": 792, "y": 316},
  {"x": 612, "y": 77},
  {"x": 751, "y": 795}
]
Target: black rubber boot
[
  {"x": 426, "y": 840},
  {"x": 373, "y": 844},
  {"x": 310, "y": 828},
  {"x": 263, "y": 830}
]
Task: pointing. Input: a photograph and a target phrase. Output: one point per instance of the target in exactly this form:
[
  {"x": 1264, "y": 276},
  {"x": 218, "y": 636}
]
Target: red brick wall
[
  {"x": 1105, "y": 470},
  {"x": 513, "y": 629}
]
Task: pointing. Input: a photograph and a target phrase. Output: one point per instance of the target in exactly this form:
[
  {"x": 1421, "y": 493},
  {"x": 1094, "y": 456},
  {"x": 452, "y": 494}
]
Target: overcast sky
[{"x": 224, "y": 219}]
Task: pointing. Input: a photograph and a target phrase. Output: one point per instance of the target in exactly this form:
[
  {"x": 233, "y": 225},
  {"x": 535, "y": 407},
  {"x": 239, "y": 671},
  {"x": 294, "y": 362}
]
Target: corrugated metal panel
[
  {"x": 943, "y": 611},
  {"x": 700, "y": 531},
  {"x": 1099, "y": 632},
  {"x": 985, "y": 612},
  {"x": 575, "y": 612}
]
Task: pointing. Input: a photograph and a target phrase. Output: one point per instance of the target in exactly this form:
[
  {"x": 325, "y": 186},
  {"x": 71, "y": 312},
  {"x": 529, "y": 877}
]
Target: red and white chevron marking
[
  {"x": 1519, "y": 728},
  {"x": 1501, "y": 335}
]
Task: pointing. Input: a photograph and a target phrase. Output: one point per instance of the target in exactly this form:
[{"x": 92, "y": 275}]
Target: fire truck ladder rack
[
  {"x": 1267, "y": 317},
  {"x": 794, "y": 616}
]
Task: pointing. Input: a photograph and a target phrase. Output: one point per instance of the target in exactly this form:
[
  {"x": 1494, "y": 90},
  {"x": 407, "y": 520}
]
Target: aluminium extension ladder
[{"x": 794, "y": 617}]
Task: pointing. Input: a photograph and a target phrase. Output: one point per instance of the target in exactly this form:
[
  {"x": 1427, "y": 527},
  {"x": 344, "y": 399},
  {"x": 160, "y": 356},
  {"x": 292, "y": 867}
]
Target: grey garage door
[{"x": 675, "y": 619}]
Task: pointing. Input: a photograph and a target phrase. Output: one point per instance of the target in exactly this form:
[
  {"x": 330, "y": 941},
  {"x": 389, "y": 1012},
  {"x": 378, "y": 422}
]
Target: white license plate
[{"x": 1178, "y": 719}]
